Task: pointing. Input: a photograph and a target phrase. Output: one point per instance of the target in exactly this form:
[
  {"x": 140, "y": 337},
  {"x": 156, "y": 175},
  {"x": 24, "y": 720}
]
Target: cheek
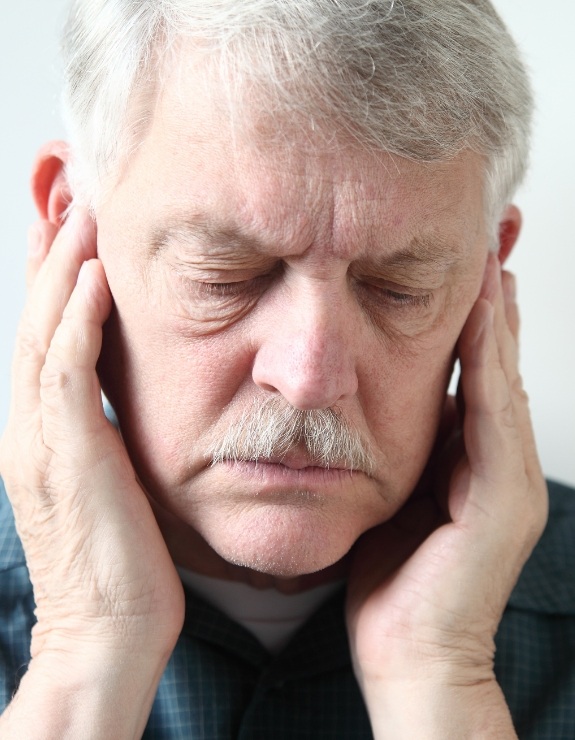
[
  {"x": 167, "y": 385},
  {"x": 167, "y": 388},
  {"x": 414, "y": 384},
  {"x": 404, "y": 405}
]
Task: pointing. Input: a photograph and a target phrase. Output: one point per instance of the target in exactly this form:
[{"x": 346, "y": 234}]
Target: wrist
[
  {"x": 437, "y": 710},
  {"x": 87, "y": 693}
]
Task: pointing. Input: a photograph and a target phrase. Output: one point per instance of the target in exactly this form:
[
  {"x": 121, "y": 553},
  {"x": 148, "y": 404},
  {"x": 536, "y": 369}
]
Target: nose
[{"x": 307, "y": 351}]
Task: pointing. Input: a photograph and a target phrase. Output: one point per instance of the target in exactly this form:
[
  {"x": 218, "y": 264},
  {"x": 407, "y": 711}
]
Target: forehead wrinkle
[
  {"x": 433, "y": 254},
  {"x": 222, "y": 237}
]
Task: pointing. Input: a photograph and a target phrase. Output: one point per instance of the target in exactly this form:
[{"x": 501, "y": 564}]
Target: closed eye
[
  {"x": 406, "y": 299},
  {"x": 225, "y": 290},
  {"x": 212, "y": 289},
  {"x": 385, "y": 295}
]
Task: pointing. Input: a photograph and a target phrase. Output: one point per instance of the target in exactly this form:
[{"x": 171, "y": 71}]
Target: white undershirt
[{"x": 272, "y": 617}]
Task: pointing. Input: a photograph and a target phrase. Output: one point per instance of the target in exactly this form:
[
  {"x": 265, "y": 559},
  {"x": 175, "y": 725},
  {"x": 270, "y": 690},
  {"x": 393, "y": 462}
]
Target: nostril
[{"x": 268, "y": 387}]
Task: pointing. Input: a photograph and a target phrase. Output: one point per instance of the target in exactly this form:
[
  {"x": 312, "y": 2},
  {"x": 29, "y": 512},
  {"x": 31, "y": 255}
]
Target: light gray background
[{"x": 544, "y": 260}]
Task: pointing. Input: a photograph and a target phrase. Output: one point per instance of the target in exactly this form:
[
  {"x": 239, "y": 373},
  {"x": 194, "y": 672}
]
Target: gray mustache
[{"x": 270, "y": 428}]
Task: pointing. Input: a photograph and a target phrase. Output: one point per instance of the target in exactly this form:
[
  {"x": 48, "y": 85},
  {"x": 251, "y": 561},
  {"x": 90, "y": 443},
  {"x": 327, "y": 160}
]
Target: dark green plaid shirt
[{"x": 221, "y": 683}]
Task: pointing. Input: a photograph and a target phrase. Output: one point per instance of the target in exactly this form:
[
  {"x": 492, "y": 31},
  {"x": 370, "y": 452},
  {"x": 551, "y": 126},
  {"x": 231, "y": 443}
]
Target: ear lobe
[
  {"x": 509, "y": 228},
  {"x": 49, "y": 183}
]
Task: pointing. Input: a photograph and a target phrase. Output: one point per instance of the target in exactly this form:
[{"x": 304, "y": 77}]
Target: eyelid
[
  {"x": 404, "y": 280},
  {"x": 227, "y": 273},
  {"x": 395, "y": 295},
  {"x": 233, "y": 285},
  {"x": 413, "y": 288},
  {"x": 410, "y": 299},
  {"x": 200, "y": 275}
]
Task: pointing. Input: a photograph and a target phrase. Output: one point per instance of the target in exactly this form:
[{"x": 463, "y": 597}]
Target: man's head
[
  {"x": 294, "y": 208},
  {"x": 420, "y": 79}
]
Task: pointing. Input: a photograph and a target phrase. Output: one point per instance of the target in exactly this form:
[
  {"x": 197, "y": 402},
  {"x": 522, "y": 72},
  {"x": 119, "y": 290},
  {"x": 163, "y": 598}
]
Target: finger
[
  {"x": 49, "y": 294},
  {"x": 510, "y": 302},
  {"x": 41, "y": 236},
  {"x": 506, "y": 324},
  {"x": 70, "y": 391},
  {"x": 491, "y": 494},
  {"x": 506, "y": 483},
  {"x": 492, "y": 441},
  {"x": 506, "y": 344},
  {"x": 505, "y": 308}
]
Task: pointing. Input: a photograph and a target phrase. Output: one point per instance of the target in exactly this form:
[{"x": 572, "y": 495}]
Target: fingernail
[{"x": 34, "y": 240}]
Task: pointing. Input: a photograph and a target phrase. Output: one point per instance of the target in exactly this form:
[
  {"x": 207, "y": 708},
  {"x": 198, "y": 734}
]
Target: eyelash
[
  {"x": 406, "y": 299},
  {"x": 252, "y": 285},
  {"x": 390, "y": 297},
  {"x": 225, "y": 290}
]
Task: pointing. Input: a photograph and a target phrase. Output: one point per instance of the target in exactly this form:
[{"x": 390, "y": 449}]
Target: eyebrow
[
  {"x": 216, "y": 237},
  {"x": 435, "y": 252}
]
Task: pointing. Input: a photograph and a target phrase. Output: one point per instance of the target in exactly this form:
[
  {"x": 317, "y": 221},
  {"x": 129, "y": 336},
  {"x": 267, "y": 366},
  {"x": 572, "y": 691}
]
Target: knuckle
[
  {"x": 25, "y": 471},
  {"x": 535, "y": 524},
  {"x": 63, "y": 357},
  {"x": 506, "y": 413},
  {"x": 54, "y": 380},
  {"x": 519, "y": 391},
  {"x": 535, "y": 511},
  {"x": 28, "y": 344}
]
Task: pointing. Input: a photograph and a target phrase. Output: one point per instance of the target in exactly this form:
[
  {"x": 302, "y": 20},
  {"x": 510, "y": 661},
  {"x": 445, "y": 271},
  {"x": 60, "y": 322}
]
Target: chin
[{"x": 284, "y": 543}]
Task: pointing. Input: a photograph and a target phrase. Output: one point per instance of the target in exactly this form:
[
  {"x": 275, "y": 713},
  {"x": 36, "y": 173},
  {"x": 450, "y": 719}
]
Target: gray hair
[
  {"x": 418, "y": 78},
  {"x": 270, "y": 428}
]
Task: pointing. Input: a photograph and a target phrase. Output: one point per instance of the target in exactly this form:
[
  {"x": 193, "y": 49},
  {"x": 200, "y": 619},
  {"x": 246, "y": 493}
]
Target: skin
[
  {"x": 329, "y": 317},
  {"x": 317, "y": 303}
]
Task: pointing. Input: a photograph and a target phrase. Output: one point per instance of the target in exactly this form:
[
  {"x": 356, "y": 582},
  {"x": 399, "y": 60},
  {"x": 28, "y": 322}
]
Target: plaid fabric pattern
[{"x": 220, "y": 683}]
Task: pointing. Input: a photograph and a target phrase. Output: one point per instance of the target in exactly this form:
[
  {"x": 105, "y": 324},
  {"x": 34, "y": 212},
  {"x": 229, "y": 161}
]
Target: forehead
[{"x": 204, "y": 160}]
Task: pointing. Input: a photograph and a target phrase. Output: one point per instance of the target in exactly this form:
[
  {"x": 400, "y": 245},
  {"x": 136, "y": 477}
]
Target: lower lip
[{"x": 278, "y": 474}]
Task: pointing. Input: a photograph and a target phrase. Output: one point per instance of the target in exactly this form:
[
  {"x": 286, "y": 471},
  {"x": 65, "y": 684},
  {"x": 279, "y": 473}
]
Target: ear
[
  {"x": 49, "y": 183},
  {"x": 509, "y": 228}
]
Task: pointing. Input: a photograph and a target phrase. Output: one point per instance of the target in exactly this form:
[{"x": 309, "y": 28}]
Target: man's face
[{"x": 243, "y": 271}]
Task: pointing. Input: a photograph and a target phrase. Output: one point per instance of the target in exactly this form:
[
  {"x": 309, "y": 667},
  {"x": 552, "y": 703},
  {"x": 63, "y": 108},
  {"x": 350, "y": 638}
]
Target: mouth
[
  {"x": 296, "y": 460},
  {"x": 293, "y": 471}
]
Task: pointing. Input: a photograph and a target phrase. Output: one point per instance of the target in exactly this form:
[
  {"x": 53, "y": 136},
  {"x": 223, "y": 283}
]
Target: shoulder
[
  {"x": 16, "y": 604},
  {"x": 535, "y": 656},
  {"x": 11, "y": 552},
  {"x": 15, "y": 586}
]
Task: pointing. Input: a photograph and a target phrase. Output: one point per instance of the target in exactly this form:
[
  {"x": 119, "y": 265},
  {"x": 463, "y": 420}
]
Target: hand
[
  {"x": 109, "y": 600},
  {"x": 429, "y": 587}
]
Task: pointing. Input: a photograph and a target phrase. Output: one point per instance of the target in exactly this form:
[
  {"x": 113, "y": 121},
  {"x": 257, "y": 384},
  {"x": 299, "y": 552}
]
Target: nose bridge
[
  {"x": 310, "y": 358},
  {"x": 319, "y": 334}
]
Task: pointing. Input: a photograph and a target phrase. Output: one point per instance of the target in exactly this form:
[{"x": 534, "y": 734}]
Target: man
[{"x": 277, "y": 227}]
